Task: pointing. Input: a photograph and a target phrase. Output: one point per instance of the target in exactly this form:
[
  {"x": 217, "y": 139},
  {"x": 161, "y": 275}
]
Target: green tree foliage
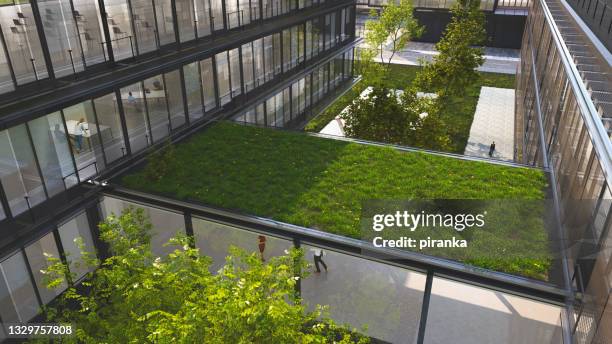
[
  {"x": 392, "y": 30},
  {"x": 136, "y": 297},
  {"x": 454, "y": 68},
  {"x": 405, "y": 120}
]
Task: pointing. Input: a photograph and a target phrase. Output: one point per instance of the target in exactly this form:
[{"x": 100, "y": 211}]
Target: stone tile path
[{"x": 493, "y": 121}]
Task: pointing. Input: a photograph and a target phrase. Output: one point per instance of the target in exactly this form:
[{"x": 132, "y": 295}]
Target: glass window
[
  {"x": 120, "y": 27},
  {"x": 165, "y": 23},
  {"x": 157, "y": 107},
  {"x": 286, "y": 107},
  {"x": 134, "y": 108},
  {"x": 297, "y": 45},
  {"x": 286, "y": 50},
  {"x": 109, "y": 124},
  {"x": 278, "y": 63},
  {"x": 203, "y": 17},
  {"x": 18, "y": 170},
  {"x": 232, "y": 13},
  {"x": 37, "y": 258},
  {"x": 144, "y": 26},
  {"x": 214, "y": 239},
  {"x": 18, "y": 301},
  {"x": 217, "y": 14},
  {"x": 174, "y": 92},
  {"x": 269, "y": 57},
  {"x": 89, "y": 25},
  {"x": 77, "y": 227},
  {"x": 234, "y": 59},
  {"x": 223, "y": 78},
  {"x": 260, "y": 113},
  {"x": 208, "y": 84},
  {"x": 395, "y": 313},
  {"x": 62, "y": 38},
  {"x": 85, "y": 138},
  {"x": 270, "y": 111},
  {"x": 247, "y": 66},
  {"x": 6, "y": 80},
  {"x": 22, "y": 42},
  {"x": 308, "y": 38},
  {"x": 165, "y": 224},
  {"x": 186, "y": 20},
  {"x": 258, "y": 61},
  {"x": 53, "y": 152},
  {"x": 279, "y": 110},
  {"x": 193, "y": 89}
]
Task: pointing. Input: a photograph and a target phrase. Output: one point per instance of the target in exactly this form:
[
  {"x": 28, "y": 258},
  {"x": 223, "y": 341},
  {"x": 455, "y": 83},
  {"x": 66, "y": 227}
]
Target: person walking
[
  {"x": 491, "y": 149},
  {"x": 79, "y": 130},
  {"x": 318, "y": 259},
  {"x": 262, "y": 246}
]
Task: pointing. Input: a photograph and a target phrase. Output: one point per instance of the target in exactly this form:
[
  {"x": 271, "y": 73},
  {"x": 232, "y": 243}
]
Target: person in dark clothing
[
  {"x": 318, "y": 259},
  {"x": 262, "y": 246},
  {"x": 492, "y": 149}
]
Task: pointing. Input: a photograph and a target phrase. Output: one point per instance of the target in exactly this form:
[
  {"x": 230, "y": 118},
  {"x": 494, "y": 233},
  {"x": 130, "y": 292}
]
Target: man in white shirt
[
  {"x": 318, "y": 259},
  {"x": 79, "y": 130}
]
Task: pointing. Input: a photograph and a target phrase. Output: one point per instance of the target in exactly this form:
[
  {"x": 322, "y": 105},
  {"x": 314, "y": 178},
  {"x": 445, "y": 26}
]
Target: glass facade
[
  {"x": 72, "y": 32},
  {"x": 295, "y": 102},
  {"x": 22, "y": 285},
  {"x": 558, "y": 126}
]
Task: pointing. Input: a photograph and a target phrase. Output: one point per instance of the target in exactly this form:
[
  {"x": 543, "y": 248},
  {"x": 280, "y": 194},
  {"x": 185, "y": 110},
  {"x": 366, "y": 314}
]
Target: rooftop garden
[
  {"x": 458, "y": 114},
  {"x": 322, "y": 184}
]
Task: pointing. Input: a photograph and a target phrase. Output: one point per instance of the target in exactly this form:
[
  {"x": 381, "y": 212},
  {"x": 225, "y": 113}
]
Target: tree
[
  {"x": 395, "y": 26},
  {"x": 454, "y": 68},
  {"x": 134, "y": 296},
  {"x": 408, "y": 120}
]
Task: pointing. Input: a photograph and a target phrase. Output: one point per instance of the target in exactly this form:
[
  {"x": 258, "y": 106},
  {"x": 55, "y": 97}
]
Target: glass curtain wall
[
  {"x": 22, "y": 283},
  {"x": 293, "y": 103},
  {"x": 574, "y": 138}
]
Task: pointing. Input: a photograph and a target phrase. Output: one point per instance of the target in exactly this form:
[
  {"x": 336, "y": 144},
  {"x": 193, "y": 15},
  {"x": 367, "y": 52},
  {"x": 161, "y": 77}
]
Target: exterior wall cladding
[
  {"x": 563, "y": 124},
  {"x": 130, "y": 75}
]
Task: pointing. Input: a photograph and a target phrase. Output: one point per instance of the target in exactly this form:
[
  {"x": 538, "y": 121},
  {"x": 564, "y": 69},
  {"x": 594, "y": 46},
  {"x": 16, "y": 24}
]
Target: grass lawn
[
  {"x": 460, "y": 119},
  {"x": 321, "y": 183}
]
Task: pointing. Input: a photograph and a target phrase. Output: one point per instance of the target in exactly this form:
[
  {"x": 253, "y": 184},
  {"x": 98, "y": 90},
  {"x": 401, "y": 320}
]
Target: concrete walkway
[
  {"x": 493, "y": 121},
  {"x": 497, "y": 60}
]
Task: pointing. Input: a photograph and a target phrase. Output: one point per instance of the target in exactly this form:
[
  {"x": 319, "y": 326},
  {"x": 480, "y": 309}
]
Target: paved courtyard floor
[{"x": 493, "y": 121}]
